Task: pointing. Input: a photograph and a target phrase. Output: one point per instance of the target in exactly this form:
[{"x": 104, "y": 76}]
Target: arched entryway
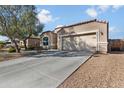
[{"x": 45, "y": 41}]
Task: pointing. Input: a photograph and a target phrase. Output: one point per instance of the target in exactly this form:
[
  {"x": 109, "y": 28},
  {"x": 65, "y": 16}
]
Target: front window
[{"x": 45, "y": 41}]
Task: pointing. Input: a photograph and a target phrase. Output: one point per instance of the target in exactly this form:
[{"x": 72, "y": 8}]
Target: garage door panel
[
  {"x": 84, "y": 42},
  {"x": 69, "y": 43}
]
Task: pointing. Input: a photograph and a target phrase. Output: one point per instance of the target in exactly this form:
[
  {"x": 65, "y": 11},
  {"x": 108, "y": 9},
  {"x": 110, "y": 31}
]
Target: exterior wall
[
  {"x": 52, "y": 40},
  {"x": 33, "y": 42},
  {"x": 102, "y": 32},
  {"x": 103, "y": 37}
]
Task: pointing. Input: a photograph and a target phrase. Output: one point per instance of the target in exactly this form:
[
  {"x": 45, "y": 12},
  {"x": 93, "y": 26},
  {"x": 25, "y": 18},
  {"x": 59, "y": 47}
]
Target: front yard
[
  {"x": 99, "y": 71},
  {"x": 7, "y": 56},
  {"x": 4, "y": 55}
]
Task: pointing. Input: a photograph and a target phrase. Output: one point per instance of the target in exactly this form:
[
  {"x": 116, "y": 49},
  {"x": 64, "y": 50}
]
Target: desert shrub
[
  {"x": 1, "y": 46},
  {"x": 11, "y": 50},
  {"x": 2, "y": 42}
]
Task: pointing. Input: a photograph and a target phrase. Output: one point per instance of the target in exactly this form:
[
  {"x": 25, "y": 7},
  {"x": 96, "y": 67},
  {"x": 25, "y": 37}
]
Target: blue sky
[{"x": 53, "y": 16}]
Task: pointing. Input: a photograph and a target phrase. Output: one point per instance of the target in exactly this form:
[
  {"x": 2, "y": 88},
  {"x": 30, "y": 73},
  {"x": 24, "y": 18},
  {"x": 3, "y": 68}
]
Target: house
[
  {"x": 91, "y": 35},
  {"x": 31, "y": 42},
  {"x": 10, "y": 43},
  {"x": 49, "y": 40}
]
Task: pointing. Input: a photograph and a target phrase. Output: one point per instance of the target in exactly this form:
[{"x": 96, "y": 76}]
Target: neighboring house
[
  {"x": 31, "y": 42},
  {"x": 90, "y": 35},
  {"x": 10, "y": 43},
  {"x": 49, "y": 40}
]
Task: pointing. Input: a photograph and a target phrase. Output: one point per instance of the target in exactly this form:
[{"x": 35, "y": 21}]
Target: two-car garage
[
  {"x": 87, "y": 41},
  {"x": 89, "y": 35}
]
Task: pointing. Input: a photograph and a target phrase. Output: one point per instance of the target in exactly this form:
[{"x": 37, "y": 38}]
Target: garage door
[{"x": 80, "y": 42}]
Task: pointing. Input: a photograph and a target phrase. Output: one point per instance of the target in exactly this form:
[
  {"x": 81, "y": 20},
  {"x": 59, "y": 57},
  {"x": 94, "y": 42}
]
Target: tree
[
  {"x": 19, "y": 22},
  {"x": 29, "y": 24},
  {"x": 9, "y": 22}
]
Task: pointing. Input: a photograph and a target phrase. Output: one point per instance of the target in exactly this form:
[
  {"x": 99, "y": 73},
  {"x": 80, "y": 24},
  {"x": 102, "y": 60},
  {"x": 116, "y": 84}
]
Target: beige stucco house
[
  {"x": 91, "y": 35},
  {"x": 49, "y": 40},
  {"x": 31, "y": 42}
]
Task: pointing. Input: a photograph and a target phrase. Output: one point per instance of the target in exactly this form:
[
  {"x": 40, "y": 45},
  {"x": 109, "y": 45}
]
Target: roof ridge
[{"x": 84, "y": 22}]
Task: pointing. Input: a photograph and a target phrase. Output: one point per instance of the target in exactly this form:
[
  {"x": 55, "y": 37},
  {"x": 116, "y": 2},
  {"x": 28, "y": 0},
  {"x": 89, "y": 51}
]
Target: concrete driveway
[{"x": 48, "y": 69}]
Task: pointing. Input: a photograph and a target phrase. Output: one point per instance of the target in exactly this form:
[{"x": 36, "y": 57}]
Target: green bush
[
  {"x": 2, "y": 42},
  {"x": 1, "y": 46},
  {"x": 11, "y": 50}
]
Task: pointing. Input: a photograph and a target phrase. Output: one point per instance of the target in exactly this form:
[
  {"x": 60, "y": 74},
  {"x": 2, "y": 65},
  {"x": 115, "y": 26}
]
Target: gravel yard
[{"x": 100, "y": 71}]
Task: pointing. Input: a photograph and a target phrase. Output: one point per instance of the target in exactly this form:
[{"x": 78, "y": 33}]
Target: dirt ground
[
  {"x": 100, "y": 71},
  {"x": 8, "y": 57}
]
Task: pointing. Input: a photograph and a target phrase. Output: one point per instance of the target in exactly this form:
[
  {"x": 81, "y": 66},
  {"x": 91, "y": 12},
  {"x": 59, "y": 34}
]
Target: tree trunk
[
  {"x": 16, "y": 46},
  {"x": 25, "y": 44}
]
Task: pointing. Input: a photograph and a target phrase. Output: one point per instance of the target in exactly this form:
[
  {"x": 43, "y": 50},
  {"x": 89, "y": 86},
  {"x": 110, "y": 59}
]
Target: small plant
[
  {"x": 1, "y": 46},
  {"x": 11, "y": 50}
]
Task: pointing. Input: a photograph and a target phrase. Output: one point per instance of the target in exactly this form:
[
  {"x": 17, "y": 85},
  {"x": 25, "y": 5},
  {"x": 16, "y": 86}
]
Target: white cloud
[
  {"x": 91, "y": 12},
  {"x": 117, "y": 6},
  {"x": 114, "y": 32},
  {"x": 56, "y": 18},
  {"x": 103, "y": 8},
  {"x": 94, "y": 11},
  {"x": 114, "y": 29},
  {"x": 45, "y": 16}
]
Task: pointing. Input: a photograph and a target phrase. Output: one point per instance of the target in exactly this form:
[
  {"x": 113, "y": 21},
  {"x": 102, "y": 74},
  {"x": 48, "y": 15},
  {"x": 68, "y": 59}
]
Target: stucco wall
[
  {"x": 33, "y": 42},
  {"x": 52, "y": 40},
  {"x": 102, "y": 29}
]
